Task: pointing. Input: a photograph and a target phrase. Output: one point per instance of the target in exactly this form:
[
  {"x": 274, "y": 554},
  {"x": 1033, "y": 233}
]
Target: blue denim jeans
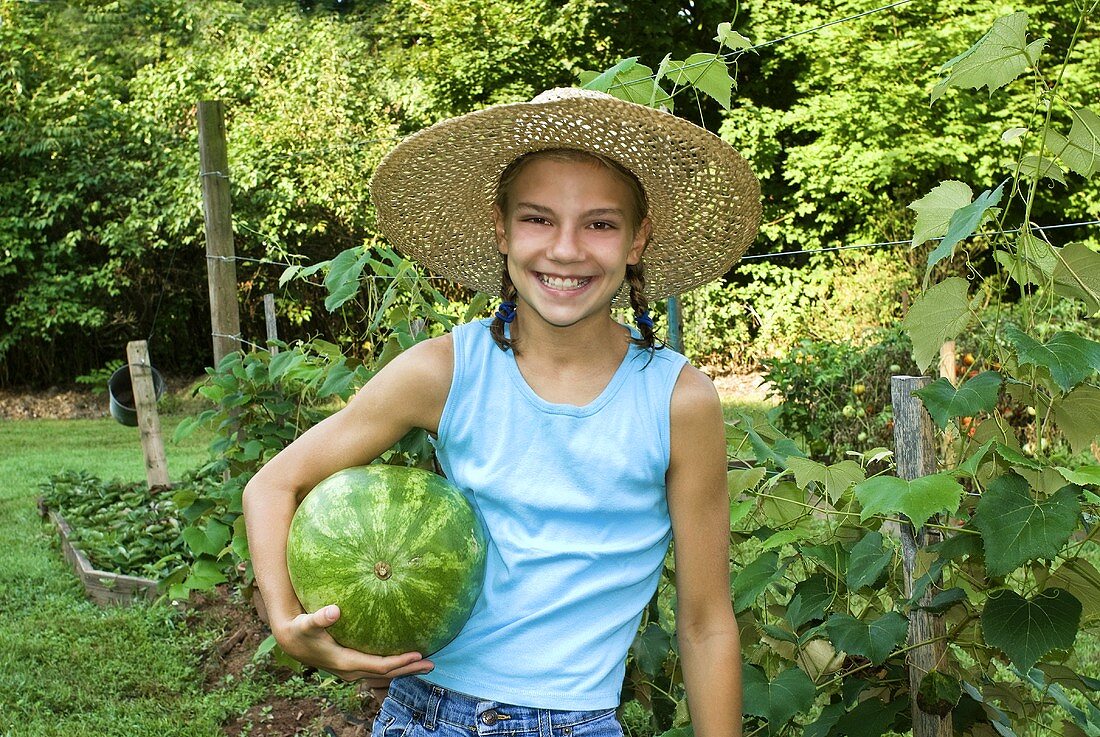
[{"x": 416, "y": 708}]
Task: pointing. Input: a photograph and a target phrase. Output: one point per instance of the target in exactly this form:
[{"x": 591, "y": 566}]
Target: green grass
[{"x": 69, "y": 667}]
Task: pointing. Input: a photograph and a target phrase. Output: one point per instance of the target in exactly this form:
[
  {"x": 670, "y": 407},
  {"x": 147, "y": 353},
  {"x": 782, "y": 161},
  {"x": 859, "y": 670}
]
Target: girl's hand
[{"x": 305, "y": 638}]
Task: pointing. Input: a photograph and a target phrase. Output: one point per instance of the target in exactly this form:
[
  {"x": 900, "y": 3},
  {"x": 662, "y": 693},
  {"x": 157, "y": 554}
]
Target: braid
[
  {"x": 508, "y": 294},
  {"x": 635, "y": 279}
]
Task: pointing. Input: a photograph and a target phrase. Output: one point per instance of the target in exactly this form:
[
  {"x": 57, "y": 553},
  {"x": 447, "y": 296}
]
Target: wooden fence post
[
  {"x": 269, "y": 319},
  {"x": 221, "y": 267},
  {"x": 915, "y": 454},
  {"x": 145, "y": 402}
]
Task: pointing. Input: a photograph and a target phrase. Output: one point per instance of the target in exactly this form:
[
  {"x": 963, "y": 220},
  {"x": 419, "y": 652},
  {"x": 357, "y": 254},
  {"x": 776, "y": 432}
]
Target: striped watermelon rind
[{"x": 399, "y": 549}]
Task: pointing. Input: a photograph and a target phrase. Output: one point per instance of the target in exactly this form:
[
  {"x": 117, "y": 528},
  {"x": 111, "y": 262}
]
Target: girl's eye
[
  {"x": 603, "y": 225},
  {"x": 534, "y": 219}
]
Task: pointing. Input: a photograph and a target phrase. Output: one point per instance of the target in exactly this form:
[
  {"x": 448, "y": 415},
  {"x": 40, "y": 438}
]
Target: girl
[{"x": 584, "y": 445}]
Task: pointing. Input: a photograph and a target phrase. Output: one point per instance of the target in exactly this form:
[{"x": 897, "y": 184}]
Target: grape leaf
[
  {"x": 869, "y": 560},
  {"x": 707, "y": 73},
  {"x": 834, "y": 479},
  {"x": 1070, "y": 358},
  {"x": 1082, "y": 476},
  {"x": 935, "y": 209},
  {"x": 342, "y": 279},
  {"x": 751, "y": 581},
  {"x": 1081, "y": 150},
  {"x": 964, "y": 223},
  {"x": 1017, "y": 528},
  {"x": 811, "y": 597},
  {"x": 918, "y": 499},
  {"x": 873, "y": 640},
  {"x": 1033, "y": 263},
  {"x": 1040, "y": 167},
  {"x": 1077, "y": 274},
  {"x": 870, "y": 718},
  {"x": 650, "y": 648},
  {"x": 731, "y": 39},
  {"x": 789, "y": 693},
  {"x": 1080, "y": 578},
  {"x": 939, "y": 314},
  {"x": 1026, "y": 630},
  {"x": 999, "y": 57},
  {"x": 943, "y": 401},
  {"x": 1078, "y": 417},
  {"x": 628, "y": 80}
]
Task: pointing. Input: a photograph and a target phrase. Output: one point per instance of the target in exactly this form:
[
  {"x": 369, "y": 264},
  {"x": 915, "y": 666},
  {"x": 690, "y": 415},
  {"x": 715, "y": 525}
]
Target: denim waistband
[{"x": 432, "y": 705}]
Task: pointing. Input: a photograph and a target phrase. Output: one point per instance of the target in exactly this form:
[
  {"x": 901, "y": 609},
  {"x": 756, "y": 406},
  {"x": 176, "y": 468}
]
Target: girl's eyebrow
[{"x": 597, "y": 212}]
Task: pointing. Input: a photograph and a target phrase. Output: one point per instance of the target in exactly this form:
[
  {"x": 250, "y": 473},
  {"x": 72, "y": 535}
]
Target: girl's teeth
[{"x": 556, "y": 282}]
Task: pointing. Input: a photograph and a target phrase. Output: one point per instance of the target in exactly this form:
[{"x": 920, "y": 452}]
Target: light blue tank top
[{"x": 573, "y": 500}]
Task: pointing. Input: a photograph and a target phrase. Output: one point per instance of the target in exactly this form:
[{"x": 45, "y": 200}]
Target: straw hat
[{"x": 433, "y": 193}]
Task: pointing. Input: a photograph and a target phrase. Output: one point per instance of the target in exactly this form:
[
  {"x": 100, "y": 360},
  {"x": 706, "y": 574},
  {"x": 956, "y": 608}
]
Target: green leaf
[
  {"x": 1017, "y": 528},
  {"x": 938, "y": 693},
  {"x": 1033, "y": 263},
  {"x": 1026, "y": 630},
  {"x": 205, "y": 574},
  {"x": 943, "y": 401},
  {"x": 1082, "y": 476},
  {"x": 743, "y": 479},
  {"x": 918, "y": 499},
  {"x": 809, "y": 601},
  {"x": 1034, "y": 168},
  {"x": 939, "y": 314},
  {"x": 1078, "y": 417},
  {"x": 869, "y": 560},
  {"x": 1081, "y": 150},
  {"x": 791, "y": 692},
  {"x": 935, "y": 209},
  {"x": 1077, "y": 275},
  {"x": 999, "y": 57},
  {"x": 944, "y": 600},
  {"x": 209, "y": 538},
  {"x": 1070, "y": 358},
  {"x": 971, "y": 465},
  {"x": 731, "y": 39},
  {"x": 342, "y": 279},
  {"x": 785, "y": 504},
  {"x": 870, "y": 718},
  {"x": 602, "y": 81},
  {"x": 628, "y": 80},
  {"x": 707, "y": 73},
  {"x": 874, "y": 640},
  {"x": 650, "y": 648},
  {"x": 1080, "y": 577},
  {"x": 834, "y": 479},
  {"x": 823, "y": 725},
  {"x": 964, "y": 223},
  {"x": 751, "y": 581},
  {"x": 338, "y": 381}
]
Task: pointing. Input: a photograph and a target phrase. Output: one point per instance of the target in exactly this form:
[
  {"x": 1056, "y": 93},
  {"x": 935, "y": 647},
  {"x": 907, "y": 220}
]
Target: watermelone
[{"x": 400, "y": 551}]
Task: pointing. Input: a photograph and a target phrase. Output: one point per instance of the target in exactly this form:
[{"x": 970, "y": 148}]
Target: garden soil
[{"x": 230, "y": 657}]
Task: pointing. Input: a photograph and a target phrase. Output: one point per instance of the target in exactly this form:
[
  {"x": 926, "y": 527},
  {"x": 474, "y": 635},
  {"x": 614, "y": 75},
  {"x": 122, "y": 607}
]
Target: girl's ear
[
  {"x": 500, "y": 230},
  {"x": 641, "y": 239}
]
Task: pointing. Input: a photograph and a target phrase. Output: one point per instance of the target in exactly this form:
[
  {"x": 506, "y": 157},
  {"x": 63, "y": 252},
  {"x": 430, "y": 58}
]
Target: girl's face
[{"x": 569, "y": 235}]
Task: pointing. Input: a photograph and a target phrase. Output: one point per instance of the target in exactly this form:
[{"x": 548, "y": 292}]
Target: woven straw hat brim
[{"x": 433, "y": 192}]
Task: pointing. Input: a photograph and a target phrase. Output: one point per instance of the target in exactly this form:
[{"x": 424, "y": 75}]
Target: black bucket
[{"x": 121, "y": 391}]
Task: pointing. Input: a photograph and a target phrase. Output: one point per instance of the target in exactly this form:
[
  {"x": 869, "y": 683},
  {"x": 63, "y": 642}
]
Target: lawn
[{"x": 68, "y": 667}]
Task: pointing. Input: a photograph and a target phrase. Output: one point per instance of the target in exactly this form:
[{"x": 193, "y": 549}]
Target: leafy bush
[
  {"x": 125, "y": 527},
  {"x": 836, "y": 396}
]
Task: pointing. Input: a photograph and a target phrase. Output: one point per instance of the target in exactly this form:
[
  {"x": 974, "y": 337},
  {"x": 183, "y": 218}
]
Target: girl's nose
[{"x": 565, "y": 247}]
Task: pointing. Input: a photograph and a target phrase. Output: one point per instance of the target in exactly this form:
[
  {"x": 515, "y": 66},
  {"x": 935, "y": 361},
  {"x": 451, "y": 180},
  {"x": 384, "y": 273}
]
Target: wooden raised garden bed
[{"x": 102, "y": 587}]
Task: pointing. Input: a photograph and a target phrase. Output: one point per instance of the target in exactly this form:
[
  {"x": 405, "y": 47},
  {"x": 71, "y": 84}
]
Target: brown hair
[{"x": 635, "y": 273}]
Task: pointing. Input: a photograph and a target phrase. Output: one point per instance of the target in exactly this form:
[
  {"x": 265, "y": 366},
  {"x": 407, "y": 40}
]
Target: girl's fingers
[{"x": 323, "y": 617}]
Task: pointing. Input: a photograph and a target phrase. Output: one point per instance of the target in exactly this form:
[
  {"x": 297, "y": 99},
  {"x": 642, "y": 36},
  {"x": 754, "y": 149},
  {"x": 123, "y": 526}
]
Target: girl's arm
[
  {"x": 699, "y": 506},
  {"x": 408, "y": 392}
]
